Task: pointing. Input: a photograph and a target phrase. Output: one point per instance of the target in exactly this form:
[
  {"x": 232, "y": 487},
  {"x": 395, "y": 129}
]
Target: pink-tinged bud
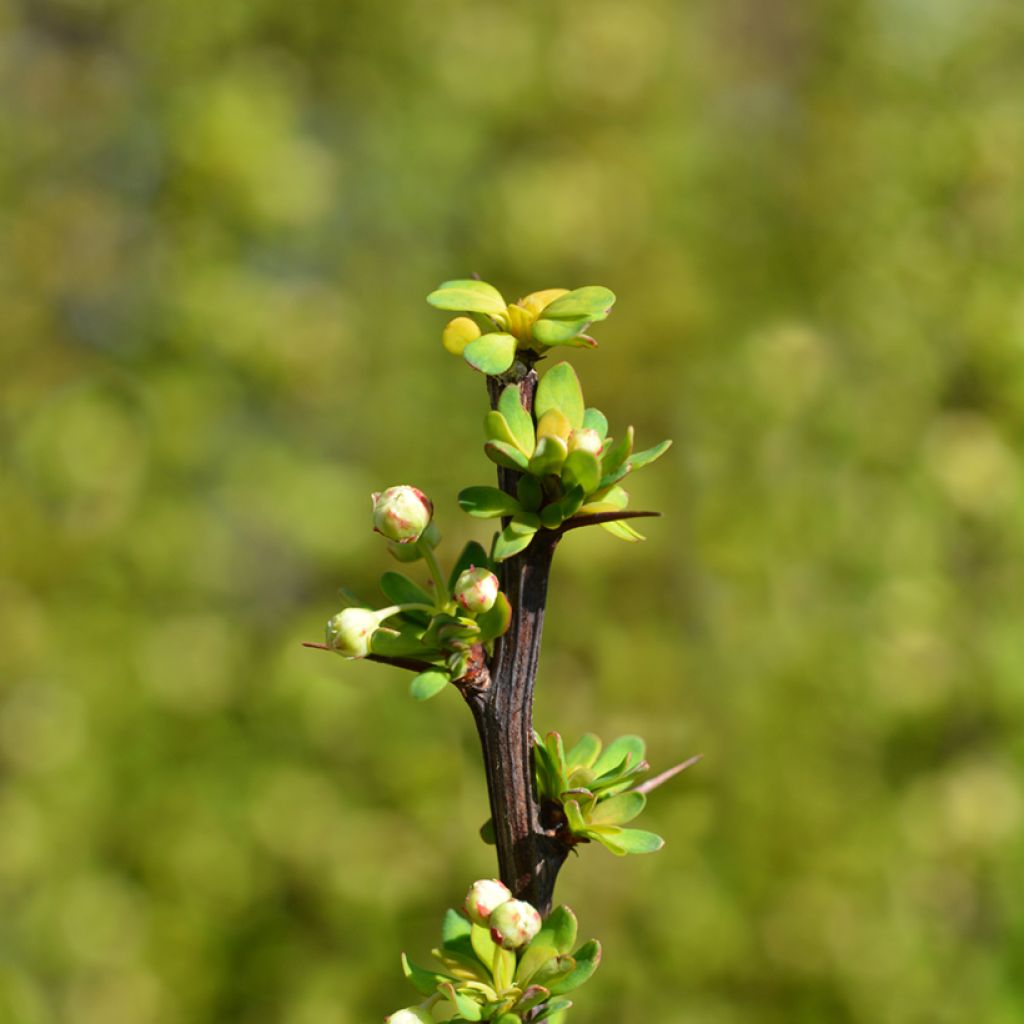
[
  {"x": 476, "y": 590},
  {"x": 402, "y": 513},
  {"x": 350, "y": 631},
  {"x": 483, "y": 898},
  {"x": 410, "y": 1015},
  {"x": 586, "y": 439},
  {"x": 514, "y": 924}
]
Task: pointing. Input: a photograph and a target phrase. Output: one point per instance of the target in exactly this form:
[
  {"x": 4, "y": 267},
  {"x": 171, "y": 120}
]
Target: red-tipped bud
[
  {"x": 514, "y": 924},
  {"x": 586, "y": 439},
  {"x": 350, "y": 631},
  {"x": 402, "y": 513},
  {"x": 483, "y": 898},
  {"x": 476, "y": 590}
]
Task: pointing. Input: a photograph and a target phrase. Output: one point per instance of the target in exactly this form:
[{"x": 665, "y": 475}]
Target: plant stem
[{"x": 440, "y": 587}]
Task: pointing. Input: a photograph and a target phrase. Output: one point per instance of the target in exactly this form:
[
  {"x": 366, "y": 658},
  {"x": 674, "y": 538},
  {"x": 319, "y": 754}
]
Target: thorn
[{"x": 646, "y": 787}]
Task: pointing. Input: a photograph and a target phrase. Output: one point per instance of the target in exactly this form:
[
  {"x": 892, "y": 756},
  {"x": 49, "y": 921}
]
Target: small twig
[
  {"x": 646, "y": 787},
  {"x": 602, "y": 517},
  {"x": 412, "y": 664}
]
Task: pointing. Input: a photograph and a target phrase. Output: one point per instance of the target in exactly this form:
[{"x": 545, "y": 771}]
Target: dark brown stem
[{"x": 412, "y": 664}]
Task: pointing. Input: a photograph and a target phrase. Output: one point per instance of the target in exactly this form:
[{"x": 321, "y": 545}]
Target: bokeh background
[{"x": 219, "y": 223}]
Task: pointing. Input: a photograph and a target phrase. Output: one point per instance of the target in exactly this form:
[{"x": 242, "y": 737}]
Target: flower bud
[
  {"x": 514, "y": 924},
  {"x": 483, "y": 898},
  {"x": 410, "y": 1015},
  {"x": 458, "y": 334},
  {"x": 586, "y": 439},
  {"x": 402, "y": 513},
  {"x": 476, "y": 590},
  {"x": 350, "y": 631}
]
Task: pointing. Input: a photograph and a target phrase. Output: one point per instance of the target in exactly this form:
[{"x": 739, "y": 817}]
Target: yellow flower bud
[{"x": 458, "y": 334}]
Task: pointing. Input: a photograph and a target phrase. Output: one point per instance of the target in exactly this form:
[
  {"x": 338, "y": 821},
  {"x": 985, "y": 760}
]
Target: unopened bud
[
  {"x": 586, "y": 439},
  {"x": 350, "y": 631},
  {"x": 410, "y": 1015},
  {"x": 458, "y": 334},
  {"x": 402, "y": 513},
  {"x": 483, "y": 898},
  {"x": 476, "y": 590},
  {"x": 514, "y": 924}
]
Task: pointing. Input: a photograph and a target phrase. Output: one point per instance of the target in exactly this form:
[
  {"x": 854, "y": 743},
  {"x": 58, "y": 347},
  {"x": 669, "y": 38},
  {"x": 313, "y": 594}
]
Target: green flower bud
[
  {"x": 458, "y": 334},
  {"x": 402, "y": 513},
  {"x": 410, "y": 1015},
  {"x": 483, "y": 898},
  {"x": 586, "y": 439},
  {"x": 514, "y": 924},
  {"x": 476, "y": 590},
  {"x": 350, "y": 631}
]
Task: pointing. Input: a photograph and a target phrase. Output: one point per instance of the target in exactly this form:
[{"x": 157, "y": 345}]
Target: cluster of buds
[{"x": 512, "y": 923}]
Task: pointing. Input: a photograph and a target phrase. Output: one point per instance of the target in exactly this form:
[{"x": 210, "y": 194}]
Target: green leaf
[
  {"x": 483, "y": 945},
  {"x": 583, "y": 469},
  {"x": 472, "y": 554},
  {"x": 554, "y": 970},
  {"x": 618, "y": 810},
  {"x": 571, "y": 501},
  {"x": 607, "y": 499},
  {"x": 390, "y": 643},
  {"x": 399, "y": 589},
  {"x": 496, "y": 428},
  {"x": 646, "y": 457},
  {"x": 506, "y": 455},
  {"x": 518, "y": 419},
  {"x": 454, "y": 929},
  {"x": 532, "y": 995},
  {"x": 593, "y": 302},
  {"x": 425, "y": 982},
  {"x": 574, "y": 816},
  {"x": 530, "y": 493},
  {"x": 560, "y": 389},
  {"x": 559, "y": 930},
  {"x": 532, "y": 960},
  {"x": 632, "y": 746},
  {"x": 594, "y": 419},
  {"x": 585, "y": 752},
  {"x": 588, "y": 957},
  {"x": 495, "y": 622},
  {"x": 557, "y": 332},
  {"x": 556, "y": 751},
  {"x": 552, "y": 1007},
  {"x": 487, "y": 832},
  {"x": 462, "y": 965},
  {"x": 487, "y": 502},
  {"x": 622, "y": 530},
  {"x": 468, "y": 296},
  {"x": 551, "y": 516},
  {"x": 513, "y": 539},
  {"x": 615, "y": 455},
  {"x": 548, "y": 456},
  {"x": 468, "y": 1008},
  {"x": 623, "y": 841},
  {"x": 491, "y": 353},
  {"x": 428, "y": 684},
  {"x": 503, "y": 968}
]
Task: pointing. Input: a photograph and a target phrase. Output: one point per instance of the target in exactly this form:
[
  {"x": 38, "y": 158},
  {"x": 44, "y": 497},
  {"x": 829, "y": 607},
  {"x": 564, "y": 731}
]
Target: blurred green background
[{"x": 219, "y": 223}]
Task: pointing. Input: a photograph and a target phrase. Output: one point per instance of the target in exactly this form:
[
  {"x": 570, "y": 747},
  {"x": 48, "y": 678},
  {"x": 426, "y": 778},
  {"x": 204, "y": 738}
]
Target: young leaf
[
  {"x": 483, "y": 945},
  {"x": 571, "y": 501},
  {"x": 594, "y": 419},
  {"x": 487, "y": 502},
  {"x": 557, "y": 332},
  {"x": 583, "y": 469},
  {"x": 632, "y": 746},
  {"x": 495, "y": 622},
  {"x": 548, "y": 456},
  {"x": 389, "y": 643},
  {"x": 487, "y": 832},
  {"x": 518, "y": 419},
  {"x": 503, "y": 968},
  {"x": 585, "y": 752},
  {"x": 574, "y": 816},
  {"x": 550, "y": 515},
  {"x": 505, "y": 455},
  {"x": 472, "y": 554},
  {"x": 554, "y": 424},
  {"x": 559, "y": 930},
  {"x": 468, "y": 296},
  {"x": 468, "y": 1008},
  {"x": 532, "y": 995},
  {"x": 399, "y": 589},
  {"x": 533, "y": 959},
  {"x": 623, "y": 841},
  {"x": 491, "y": 353},
  {"x": 428, "y": 684},
  {"x": 646, "y": 457},
  {"x": 559, "y": 388},
  {"x": 513, "y": 539},
  {"x": 592, "y": 301},
  {"x": 530, "y": 493},
  {"x": 588, "y": 957},
  {"x": 553, "y": 1006},
  {"x": 615, "y": 455},
  {"x": 618, "y": 810},
  {"x": 556, "y": 751},
  {"x": 425, "y": 982},
  {"x": 622, "y": 530},
  {"x": 496, "y": 428}
]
